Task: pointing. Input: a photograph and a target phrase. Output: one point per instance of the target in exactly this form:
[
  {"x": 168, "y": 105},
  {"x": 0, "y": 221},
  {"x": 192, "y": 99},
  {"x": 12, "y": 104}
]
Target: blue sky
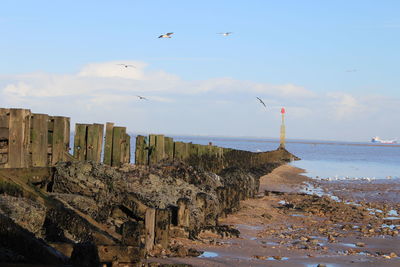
[{"x": 59, "y": 57}]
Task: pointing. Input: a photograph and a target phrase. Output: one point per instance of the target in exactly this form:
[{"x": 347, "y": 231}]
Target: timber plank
[
  {"x": 39, "y": 137},
  {"x": 80, "y": 141},
  {"x": 60, "y": 142},
  {"x": 108, "y": 143},
  {"x": 118, "y": 140},
  {"x": 149, "y": 220},
  {"x": 19, "y": 142}
]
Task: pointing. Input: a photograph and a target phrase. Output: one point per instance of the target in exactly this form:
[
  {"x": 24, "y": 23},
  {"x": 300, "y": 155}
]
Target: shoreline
[{"x": 275, "y": 234}]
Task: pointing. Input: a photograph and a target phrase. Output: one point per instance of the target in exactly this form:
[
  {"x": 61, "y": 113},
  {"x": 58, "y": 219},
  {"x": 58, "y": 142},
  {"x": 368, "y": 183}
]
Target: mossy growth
[{"x": 10, "y": 189}]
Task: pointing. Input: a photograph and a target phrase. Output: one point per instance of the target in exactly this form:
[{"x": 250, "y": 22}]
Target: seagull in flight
[
  {"x": 225, "y": 33},
  {"x": 352, "y": 70},
  {"x": 141, "y": 97},
  {"x": 127, "y": 65},
  {"x": 262, "y": 102},
  {"x": 167, "y": 35}
]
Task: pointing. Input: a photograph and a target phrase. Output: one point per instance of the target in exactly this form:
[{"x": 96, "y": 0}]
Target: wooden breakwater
[
  {"x": 38, "y": 140},
  {"x": 156, "y": 149}
]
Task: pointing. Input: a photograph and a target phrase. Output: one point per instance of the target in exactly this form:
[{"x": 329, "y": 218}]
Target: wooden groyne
[
  {"x": 92, "y": 206},
  {"x": 38, "y": 140},
  {"x": 156, "y": 149}
]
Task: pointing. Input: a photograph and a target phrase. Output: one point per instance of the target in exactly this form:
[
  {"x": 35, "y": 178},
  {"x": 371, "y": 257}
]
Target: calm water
[{"x": 333, "y": 159}]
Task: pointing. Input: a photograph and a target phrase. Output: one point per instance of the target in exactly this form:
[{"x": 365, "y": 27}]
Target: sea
[{"x": 320, "y": 159}]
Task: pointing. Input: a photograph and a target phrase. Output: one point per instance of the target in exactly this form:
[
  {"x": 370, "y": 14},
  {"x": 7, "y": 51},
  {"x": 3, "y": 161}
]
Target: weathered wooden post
[
  {"x": 19, "y": 138},
  {"x": 117, "y": 147},
  {"x": 60, "y": 138},
  {"x": 150, "y": 220},
  {"x": 152, "y": 149},
  {"x": 94, "y": 142},
  {"x": 39, "y": 139},
  {"x": 141, "y": 154},
  {"x": 4, "y": 136},
  {"x": 169, "y": 148},
  {"x": 126, "y": 150},
  {"x": 202, "y": 150},
  {"x": 179, "y": 150},
  {"x": 162, "y": 224},
  {"x": 108, "y": 143},
  {"x": 193, "y": 149},
  {"x": 80, "y": 141},
  {"x": 160, "y": 148},
  {"x": 183, "y": 212}
]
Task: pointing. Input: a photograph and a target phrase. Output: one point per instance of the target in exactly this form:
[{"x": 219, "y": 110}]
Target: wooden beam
[
  {"x": 19, "y": 139},
  {"x": 169, "y": 148},
  {"x": 118, "y": 139},
  {"x": 108, "y": 143},
  {"x": 60, "y": 142},
  {"x": 160, "y": 148},
  {"x": 80, "y": 141},
  {"x": 141, "y": 153},
  {"x": 94, "y": 142},
  {"x": 150, "y": 228},
  {"x": 39, "y": 137}
]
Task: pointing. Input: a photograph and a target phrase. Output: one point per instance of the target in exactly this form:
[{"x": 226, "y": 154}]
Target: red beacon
[{"x": 283, "y": 110}]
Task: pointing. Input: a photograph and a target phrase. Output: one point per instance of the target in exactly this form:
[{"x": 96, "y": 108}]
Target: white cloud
[
  {"x": 107, "y": 91},
  {"x": 114, "y": 70}
]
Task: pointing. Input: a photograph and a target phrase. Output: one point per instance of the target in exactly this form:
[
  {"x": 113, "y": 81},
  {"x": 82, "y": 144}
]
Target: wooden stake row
[
  {"x": 157, "y": 148},
  {"x": 39, "y": 140},
  {"x": 88, "y": 143},
  {"x": 32, "y": 140}
]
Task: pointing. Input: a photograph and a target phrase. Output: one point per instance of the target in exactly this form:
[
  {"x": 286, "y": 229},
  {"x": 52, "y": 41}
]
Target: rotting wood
[
  {"x": 152, "y": 149},
  {"x": 183, "y": 212},
  {"x": 160, "y": 148},
  {"x": 150, "y": 228},
  {"x": 141, "y": 153},
  {"x": 39, "y": 137},
  {"x": 19, "y": 138},
  {"x": 162, "y": 224},
  {"x": 117, "y": 148},
  {"x": 108, "y": 143},
  {"x": 169, "y": 148},
  {"x": 80, "y": 141},
  {"x": 60, "y": 142},
  {"x": 94, "y": 142}
]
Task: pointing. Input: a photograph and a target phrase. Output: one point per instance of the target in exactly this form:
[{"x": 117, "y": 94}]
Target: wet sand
[{"x": 283, "y": 226}]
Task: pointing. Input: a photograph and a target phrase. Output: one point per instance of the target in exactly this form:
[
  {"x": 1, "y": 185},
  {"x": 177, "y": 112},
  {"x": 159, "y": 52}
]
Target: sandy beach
[{"x": 288, "y": 224}]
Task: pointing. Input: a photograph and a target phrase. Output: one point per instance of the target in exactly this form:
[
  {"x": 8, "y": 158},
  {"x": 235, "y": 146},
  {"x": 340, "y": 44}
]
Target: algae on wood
[
  {"x": 141, "y": 154},
  {"x": 162, "y": 224},
  {"x": 108, "y": 143},
  {"x": 117, "y": 147},
  {"x": 169, "y": 148}
]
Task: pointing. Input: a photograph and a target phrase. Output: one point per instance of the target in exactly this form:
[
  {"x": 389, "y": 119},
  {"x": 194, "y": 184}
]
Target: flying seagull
[
  {"x": 127, "y": 65},
  {"x": 141, "y": 97},
  {"x": 262, "y": 102},
  {"x": 352, "y": 70},
  {"x": 225, "y": 33},
  {"x": 167, "y": 35}
]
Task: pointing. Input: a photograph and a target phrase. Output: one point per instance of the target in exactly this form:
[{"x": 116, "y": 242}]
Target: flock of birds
[{"x": 169, "y": 35}]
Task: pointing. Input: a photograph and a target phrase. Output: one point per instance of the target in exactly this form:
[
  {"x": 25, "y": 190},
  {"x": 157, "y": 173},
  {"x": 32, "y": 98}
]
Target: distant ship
[{"x": 376, "y": 139}]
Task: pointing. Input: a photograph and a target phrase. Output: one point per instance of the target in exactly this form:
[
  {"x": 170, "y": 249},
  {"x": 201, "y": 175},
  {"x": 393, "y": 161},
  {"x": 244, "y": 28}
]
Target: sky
[{"x": 334, "y": 65}]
